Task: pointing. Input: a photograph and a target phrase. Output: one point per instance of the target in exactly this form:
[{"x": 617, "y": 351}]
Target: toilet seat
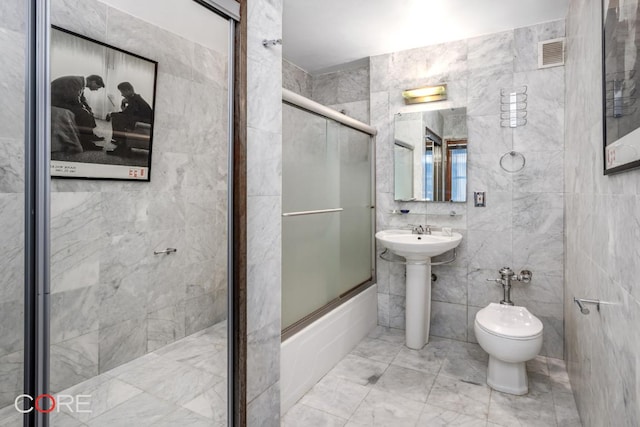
[{"x": 511, "y": 322}]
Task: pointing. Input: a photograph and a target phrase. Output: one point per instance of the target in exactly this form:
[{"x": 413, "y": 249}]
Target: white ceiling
[{"x": 320, "y": 35}]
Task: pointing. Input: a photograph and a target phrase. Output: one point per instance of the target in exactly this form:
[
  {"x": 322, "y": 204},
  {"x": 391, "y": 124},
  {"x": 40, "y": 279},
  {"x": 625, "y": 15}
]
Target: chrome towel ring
[{"x": 512, "y": 154}]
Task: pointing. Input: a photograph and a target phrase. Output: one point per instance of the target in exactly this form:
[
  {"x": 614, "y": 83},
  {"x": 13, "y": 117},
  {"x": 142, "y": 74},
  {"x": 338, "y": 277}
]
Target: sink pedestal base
[{"x": 418, "y": 305}]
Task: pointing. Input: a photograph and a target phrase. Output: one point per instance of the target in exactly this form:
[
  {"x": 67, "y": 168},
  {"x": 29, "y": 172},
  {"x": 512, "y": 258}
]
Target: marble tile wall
[
  {"x": 522, "y": 225},
  {"x": 12, "y": 45},
  {"x": 112, "y": 299},
  {"x": 601, "y": 237},
  {"x": 296, "y": 79},
  {"x": 345, "y": 90},
  {"x": 264, "y": 210}
]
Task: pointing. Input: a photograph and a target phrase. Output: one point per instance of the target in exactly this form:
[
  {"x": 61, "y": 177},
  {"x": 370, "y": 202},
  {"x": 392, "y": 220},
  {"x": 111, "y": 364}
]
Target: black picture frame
[
  {"x": 620, "y": 87},
  {"x": 102, "y": 109}
]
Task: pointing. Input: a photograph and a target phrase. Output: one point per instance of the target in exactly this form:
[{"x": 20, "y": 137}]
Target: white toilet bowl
[{"x": 511, "y": 335}]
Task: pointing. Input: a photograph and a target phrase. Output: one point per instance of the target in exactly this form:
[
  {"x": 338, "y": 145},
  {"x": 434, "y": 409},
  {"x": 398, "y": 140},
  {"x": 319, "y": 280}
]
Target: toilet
[{"x": 512, "y": 336}]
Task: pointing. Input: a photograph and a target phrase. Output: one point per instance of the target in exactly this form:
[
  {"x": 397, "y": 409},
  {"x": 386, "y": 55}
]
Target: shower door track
[{"x": 293, "y": 329}]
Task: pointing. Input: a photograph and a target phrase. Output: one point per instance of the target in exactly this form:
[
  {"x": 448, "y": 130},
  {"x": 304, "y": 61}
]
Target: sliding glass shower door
[{"x": 326, "y": 203}]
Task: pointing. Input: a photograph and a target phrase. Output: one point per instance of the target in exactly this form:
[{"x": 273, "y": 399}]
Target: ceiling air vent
[{"x": 551, "y": 53}]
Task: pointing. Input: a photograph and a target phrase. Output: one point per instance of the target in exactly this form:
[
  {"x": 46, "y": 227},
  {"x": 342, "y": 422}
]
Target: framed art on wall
[
  {"x": 621, "y": 60},
  {"x": 102, "y": 109}
]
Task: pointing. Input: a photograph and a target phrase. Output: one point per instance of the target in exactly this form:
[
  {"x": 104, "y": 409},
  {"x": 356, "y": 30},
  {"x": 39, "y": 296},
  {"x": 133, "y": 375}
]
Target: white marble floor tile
[
  {"x": 392, "y": 335},
  {"x": 359, "y": 370},
  {"x": 212, "y": 404},
  {"x": 9, "y": 417},
  {"x": 509, "y": 410},
  {"x": 428, "y": 359},
  {"x": 566, "y": 410},
  {"x": 302, "y": 415},
  {"x": 60, "y": 419},
  {"x": 459, "y": 395},
  {"x": 105, "y": 393},
  {"x": 434, "y": 416},
  {"x": 185, "y": 418},
  {"x": 173, "y": 381},
  {"x": 143, "y": 410},
  {"x": 384, "y": 409},
  {"x": 336, "y": 396},
  {"x": 406, "y": 383},
  {"x": 375, "y": 349},
  {"x": 538, "y": 365},
  {"x": 456, "y": 395}
]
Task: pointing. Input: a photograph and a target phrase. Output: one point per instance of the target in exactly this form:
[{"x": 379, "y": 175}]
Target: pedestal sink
[{"x": 418, "y": 249}]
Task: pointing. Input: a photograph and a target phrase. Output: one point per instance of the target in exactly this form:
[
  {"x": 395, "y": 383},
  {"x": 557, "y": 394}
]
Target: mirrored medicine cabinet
[{"x": 430, "y": 156}]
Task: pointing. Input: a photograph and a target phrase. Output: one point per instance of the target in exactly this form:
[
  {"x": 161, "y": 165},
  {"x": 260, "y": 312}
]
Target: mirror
[{"x": 430, "y": 156}]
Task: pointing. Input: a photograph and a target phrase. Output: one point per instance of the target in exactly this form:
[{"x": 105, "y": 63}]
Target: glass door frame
[{"x": 38, "y": 207}]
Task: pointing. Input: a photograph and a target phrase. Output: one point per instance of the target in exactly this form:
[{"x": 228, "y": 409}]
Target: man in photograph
[
  {"x": 68, "y": 92},
  {"x": 135, "y": 118}
]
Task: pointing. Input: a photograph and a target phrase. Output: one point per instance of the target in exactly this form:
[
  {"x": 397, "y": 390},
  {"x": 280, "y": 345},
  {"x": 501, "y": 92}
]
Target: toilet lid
[{"x": 509, "y": 321}]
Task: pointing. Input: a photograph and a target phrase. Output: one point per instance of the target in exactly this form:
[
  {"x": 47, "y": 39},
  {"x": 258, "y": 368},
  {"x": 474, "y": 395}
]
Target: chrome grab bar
[
  {"x": 166, "y": 251},
  {"x": 312, "y": 212}
]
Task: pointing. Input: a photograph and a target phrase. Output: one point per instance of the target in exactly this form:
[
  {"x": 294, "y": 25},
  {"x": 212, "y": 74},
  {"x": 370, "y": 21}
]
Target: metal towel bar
[{"x": 312, "y": 212}]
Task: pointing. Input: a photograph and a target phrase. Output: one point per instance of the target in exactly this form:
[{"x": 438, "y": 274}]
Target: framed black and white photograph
[
  {"x": 102, "y": 109},
  {"x": 621, "y": 60}
]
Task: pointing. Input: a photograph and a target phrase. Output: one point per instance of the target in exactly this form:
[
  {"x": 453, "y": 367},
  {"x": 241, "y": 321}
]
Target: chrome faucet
[{"x": 419, "y": 229}]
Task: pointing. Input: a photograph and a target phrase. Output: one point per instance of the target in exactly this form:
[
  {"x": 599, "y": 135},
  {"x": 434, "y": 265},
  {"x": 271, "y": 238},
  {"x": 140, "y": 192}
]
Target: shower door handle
[{"x": 300, "y": 213}]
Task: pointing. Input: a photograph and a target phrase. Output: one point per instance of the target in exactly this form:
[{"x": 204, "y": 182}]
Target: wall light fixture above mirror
[
  {"x": 430, "y": 156},
  {"x": 425, "y": 94}
]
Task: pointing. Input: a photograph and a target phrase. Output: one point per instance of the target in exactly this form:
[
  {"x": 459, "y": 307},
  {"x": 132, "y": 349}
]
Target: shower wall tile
[
  {"x": 200, "y": 312},
  {"x": 324, "y": 89},
  {"x": 165, "y": 326},
  {"x": 12, "y": 77},
  {"x": 12, "y": 374},
  {"x": 12, "y": 274},
  {"x": 296, "y": 79},
  {"x": 122, "y": 343},
  {"x": 74, "y": 313},
  {"x": 358, "y": 110},
  {"x": 66, "y": 208},
  {"x": 74, "y": 361},
  {"x": 82, "y": 17},
  {"x": 76, "y": 264},
  {"x": 13, "y": 15},
  {"x": 353, "y": 85},
  {"x": 523, "y": 223},
  {"x": 11, "y": 327},
  {"x": 175, "y": 54},
  {"x": 106, "y": 282},
  {"x": 12, "y": 165}
]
